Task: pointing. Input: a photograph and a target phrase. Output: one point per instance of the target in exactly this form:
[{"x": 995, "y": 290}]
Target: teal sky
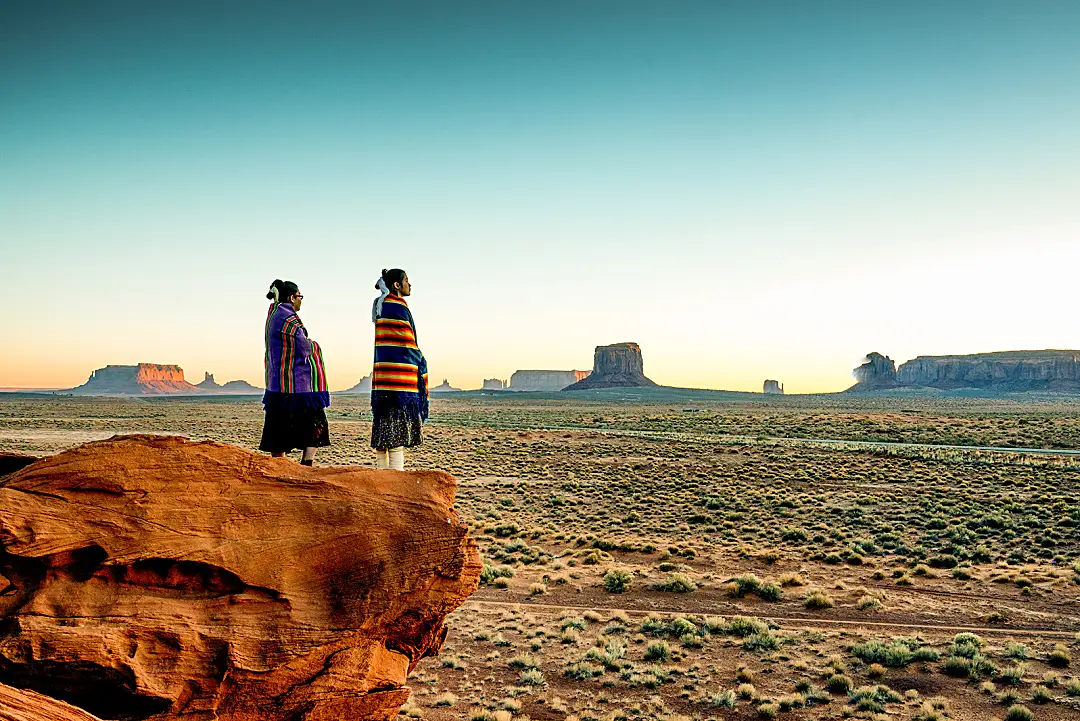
[{"x": 747, "y": 189}]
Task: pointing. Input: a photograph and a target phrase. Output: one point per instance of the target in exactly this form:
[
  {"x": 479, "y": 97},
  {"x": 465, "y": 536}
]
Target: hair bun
[{"x": 272, "y": 294}]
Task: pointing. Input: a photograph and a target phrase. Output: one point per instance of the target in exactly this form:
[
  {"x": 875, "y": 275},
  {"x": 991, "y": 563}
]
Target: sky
[{"x": 749, "y": 190}]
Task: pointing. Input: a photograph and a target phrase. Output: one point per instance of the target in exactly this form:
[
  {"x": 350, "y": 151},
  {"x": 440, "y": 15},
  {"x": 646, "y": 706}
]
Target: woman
[
  {"x": 296, "y": 392},
  {"x": 399, "y": 383}
]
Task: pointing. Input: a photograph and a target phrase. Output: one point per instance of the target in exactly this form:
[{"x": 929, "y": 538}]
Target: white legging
[{"x": 393, "y": 459}]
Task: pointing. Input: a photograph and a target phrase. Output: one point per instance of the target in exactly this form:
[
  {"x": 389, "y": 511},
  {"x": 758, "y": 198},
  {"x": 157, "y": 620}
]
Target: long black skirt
[
  {"x": 396, "y": 428},
  {"x": 285, "y": 430}
]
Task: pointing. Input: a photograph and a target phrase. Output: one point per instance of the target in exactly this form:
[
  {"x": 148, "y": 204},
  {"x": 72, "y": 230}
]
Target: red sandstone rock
[
  {"x": 155, "y": 577},
  {"x": 142, "y": 379},
  {"x": 18, "y": 704}
]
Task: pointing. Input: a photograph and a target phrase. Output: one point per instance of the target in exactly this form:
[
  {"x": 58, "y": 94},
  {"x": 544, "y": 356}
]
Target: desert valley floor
[{"x": 674, "y": 555}]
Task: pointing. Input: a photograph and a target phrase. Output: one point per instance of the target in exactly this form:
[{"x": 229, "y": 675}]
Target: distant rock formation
[
  {"x": 209, "y": 385},
  {"x": 619, "y": 365},
  {"x": 534, "y": 380},
  {"x": 493, "y": 384},
  {"x": 876, "y": 373},
  {"x": 137, "y": 584},
  {"x": 445, "y": 387},
  {"x": 1004, "y": 371},
  {"x": 773, "y": 388},
  {"x": 137, "y": 380},
  {"x": 240, "y": 388},
  {"x": 364, "y": 386}
]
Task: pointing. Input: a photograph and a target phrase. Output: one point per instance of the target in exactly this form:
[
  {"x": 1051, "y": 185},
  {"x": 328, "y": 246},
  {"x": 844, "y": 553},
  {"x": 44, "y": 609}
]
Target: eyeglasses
[{"x": 298, "y": 295}]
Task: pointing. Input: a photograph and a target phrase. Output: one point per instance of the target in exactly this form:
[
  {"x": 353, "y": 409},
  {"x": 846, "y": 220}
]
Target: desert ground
[{"x": 676, "y": 555}]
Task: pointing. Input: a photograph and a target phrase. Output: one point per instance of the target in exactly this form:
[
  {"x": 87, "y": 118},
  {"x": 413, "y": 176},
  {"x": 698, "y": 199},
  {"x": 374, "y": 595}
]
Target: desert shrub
[
  {"x": 770, "y": 592},
  {"x": 523, "y": 662},
  {"x": 869, "y": 603},
  {"x": 818, "y": 599},
  {"x": 1059, "y": 657},
  {"x": 681, "y": 626},
  {"x": 1041, "y": 695},
  {"x": 966, "y": 645},
  {"x": 616, "y": 581},
  {"x": 768, "y": 710},
  {"x": 744, "y": 675},
  {"x": 658, "y": 651},
  {"x": 743, "y": 626},
  {"x": 609, "y": 656},
  {"x": 1007, "y": 697},
  {"x": 931, "y": 711},
  {"x": 1016, "y": 651},
  {"x": 761, "y": 642},
  {"x": 746, "y": 691},
  {"x": 654, "y": 626},
  {"x": 1014, "y": 675},
  {"x": 489, "y": 574},
  {"x": 957, "y": 666},
  {"x": 794, "y": 535},
  {"x": 723, "y": 699},
  {"x": 924, "y": 654},
  {"x": 874, "y": 698},
  {"x": 714, "y": 625},
  {"x": 580, "y": 672},
  {"x": 532, "y": 677},
  {"x": 445, "y": 699},
  {"x": 839, "y": 683},
  {"x": 895, "y": 654},
  {"x": 982, "y": 666},
  {"x": 677, "y": 583},
  {"x": 1072, "y": 688},
  {"x": 573, "y": 622},
  {"x": 813, "y": 695},
  {"x": 691, "y": 640},
  {"x": 1019, "y": 713},
  {"x": 742, "y": 585},
  {"x": 537, "y": 589}
]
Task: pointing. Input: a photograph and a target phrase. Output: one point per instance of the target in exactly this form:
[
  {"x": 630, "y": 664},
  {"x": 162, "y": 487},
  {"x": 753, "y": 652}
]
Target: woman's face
[
  {"x": 295, "y": 300},
  {"x": 403, "y": 288}
]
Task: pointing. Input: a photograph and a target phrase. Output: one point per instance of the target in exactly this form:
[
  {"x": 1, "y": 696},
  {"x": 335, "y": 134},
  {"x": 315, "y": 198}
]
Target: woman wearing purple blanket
[{"x": 296, "y": 392}]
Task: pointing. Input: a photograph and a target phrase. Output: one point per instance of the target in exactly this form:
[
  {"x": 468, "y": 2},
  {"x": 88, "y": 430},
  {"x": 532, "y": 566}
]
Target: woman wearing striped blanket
[
  {"x": 296, "y": 391},
  {"x": 399, "y": 382}
]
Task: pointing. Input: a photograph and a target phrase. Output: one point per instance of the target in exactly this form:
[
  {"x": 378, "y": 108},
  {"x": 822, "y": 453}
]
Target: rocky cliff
[
  {"x": 157, "y": 578},
  {"x": 773, "y": 388},
  {"x": 493, "y": 384},
  {"x": 1047, "y": 370},
  {"x": 540, "y": 380},
  {"x": 141, "y": 379},
  {"x": 445, "y": 387},
  {"x": 1005, "y": 371},
  {"x": 877, "y": 372},
  {"x": 618, "y": 365}
]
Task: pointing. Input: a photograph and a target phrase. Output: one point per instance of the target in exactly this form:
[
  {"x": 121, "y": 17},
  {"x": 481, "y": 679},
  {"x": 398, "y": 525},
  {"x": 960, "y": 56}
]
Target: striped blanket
[
  {"x": 399, "y": 376},
  {"x": 295, "y": 372}
]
